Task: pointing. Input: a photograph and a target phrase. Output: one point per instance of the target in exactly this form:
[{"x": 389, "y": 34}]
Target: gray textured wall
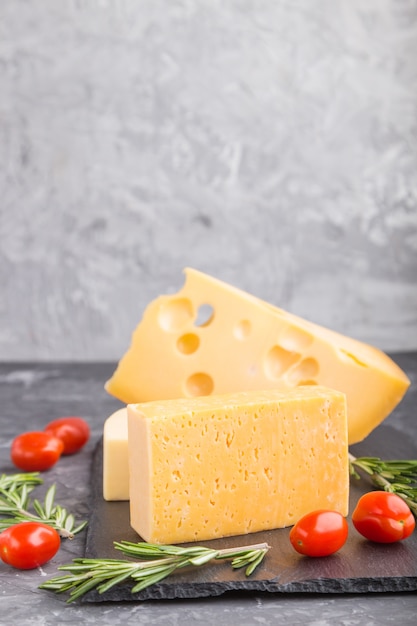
[{"x": 269, "y": 143}]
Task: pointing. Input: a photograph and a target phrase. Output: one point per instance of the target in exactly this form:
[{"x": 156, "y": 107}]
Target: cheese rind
[
  {"x": 247, "y": 344},
  {"x": 115, "y": 457},
  {"x": 234, "y": 464}
]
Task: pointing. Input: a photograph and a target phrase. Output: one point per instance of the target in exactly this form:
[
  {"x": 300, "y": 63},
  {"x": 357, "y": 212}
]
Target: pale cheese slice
[
  {"x": 233, "y": 464},
  {"x": 115, "y": 457},
  {"x": 244, "y": 343}
]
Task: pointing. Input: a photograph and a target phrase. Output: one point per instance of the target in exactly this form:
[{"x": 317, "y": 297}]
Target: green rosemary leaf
[
  {"x": 59, "y": 585},
  {"x": 49, "y": 501},
  {"x": 79, "y": 528},
  {"x": 204, "y": 558},
  {"x": 15, "y": 481},
  {"x": 255, "y": 562},
  {"x": 246, "y": 558},
  {"x": 80, "y": 590},
  {"x": 4, "y": 506},
  {"x": 87, "y": 564},
  {"x": 146, "y": 571},
  {"x": 59, "y": 515},
  {"x": 69, "y": 522},
  {"x": 152, "y": 580},
  {"x": 68, "y": 581},
  {"x": 116, "y": 580},
  {"x": 39, "y": 510},
  {"x": 14, "y": 498},
  {"x": 145, "y": 550}
]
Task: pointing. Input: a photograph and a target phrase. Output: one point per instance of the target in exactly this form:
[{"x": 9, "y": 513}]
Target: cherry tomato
[
  {"x": 35, "y": 451},
  {"x": 28, "y": 544},
  {"x": 73, "y": 431},
  {"x": 383, "y": 517},
  {"x": 319, "y": 533}
]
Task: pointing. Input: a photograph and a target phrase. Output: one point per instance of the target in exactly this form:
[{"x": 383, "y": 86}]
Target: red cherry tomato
[
  {"x": 73, "y": 431},
  {"x": 28, "y": 544},
  {"x": 383, "y": 517},
  {"x": 319, "y": 533},
  {"x": 35, "y": 451}
]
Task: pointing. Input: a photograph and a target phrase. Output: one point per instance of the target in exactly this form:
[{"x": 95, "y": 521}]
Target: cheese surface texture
[
  {"x": 211, "y": 338},
  {"x": 234, "y": 464},
  {"x": 115, "y": 457}
]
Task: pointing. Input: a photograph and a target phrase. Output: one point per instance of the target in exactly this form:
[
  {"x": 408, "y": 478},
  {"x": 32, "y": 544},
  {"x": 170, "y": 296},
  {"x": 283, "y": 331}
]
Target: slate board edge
[{"x": 162, "y": 591}]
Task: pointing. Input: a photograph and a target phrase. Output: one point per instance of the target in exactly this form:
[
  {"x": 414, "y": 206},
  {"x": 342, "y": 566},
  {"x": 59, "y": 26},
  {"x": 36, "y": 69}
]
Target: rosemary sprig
[
  {"x": 16, "y": 481},
  {"x": 155, "y": 563},
  {"x": 16, "y": 505},
  {"x": 396, "y": 476}
]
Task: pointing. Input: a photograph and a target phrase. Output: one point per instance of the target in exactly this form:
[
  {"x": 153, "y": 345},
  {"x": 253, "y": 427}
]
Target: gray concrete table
[{"x": 32, "y": 394}]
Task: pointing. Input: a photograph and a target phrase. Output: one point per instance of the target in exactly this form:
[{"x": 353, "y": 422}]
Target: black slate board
[{"x": 359, "y": 567}]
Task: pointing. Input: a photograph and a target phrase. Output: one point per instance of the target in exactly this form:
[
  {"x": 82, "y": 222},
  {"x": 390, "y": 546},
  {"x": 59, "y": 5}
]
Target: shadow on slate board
[{"x": 359, "y": 567}]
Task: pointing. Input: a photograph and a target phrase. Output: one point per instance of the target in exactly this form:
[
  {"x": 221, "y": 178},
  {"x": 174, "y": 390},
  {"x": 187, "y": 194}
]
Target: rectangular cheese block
[
  {"x": 211, "y": 338},
  {"x": 115, "y": 459},
  {"x": 233, "y": 464}
]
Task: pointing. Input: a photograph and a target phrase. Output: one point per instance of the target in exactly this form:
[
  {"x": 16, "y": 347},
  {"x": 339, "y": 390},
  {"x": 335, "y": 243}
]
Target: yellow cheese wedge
[
  {"x": 213, "y": 338},
  {"x": 233, "y": 464},
  {"x": 115, "y": 461}
]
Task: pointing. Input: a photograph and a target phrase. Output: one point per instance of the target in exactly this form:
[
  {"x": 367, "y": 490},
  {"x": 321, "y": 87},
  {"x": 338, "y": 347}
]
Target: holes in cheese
[
  {"x": 205, "y": 315},
  {"x": 212, "y": 338},
  {"x": 233, "y": 464},
  {"x": 278, "y": 360},
  {"x": 174, "y": 314},
  {"x": 306, "y": 369},
  {"x": 188, "y": 343},
  {"x": 242, "y": 330},
  {"x": 199, "y": 384},
  {"x": 347, "y": 355}
]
